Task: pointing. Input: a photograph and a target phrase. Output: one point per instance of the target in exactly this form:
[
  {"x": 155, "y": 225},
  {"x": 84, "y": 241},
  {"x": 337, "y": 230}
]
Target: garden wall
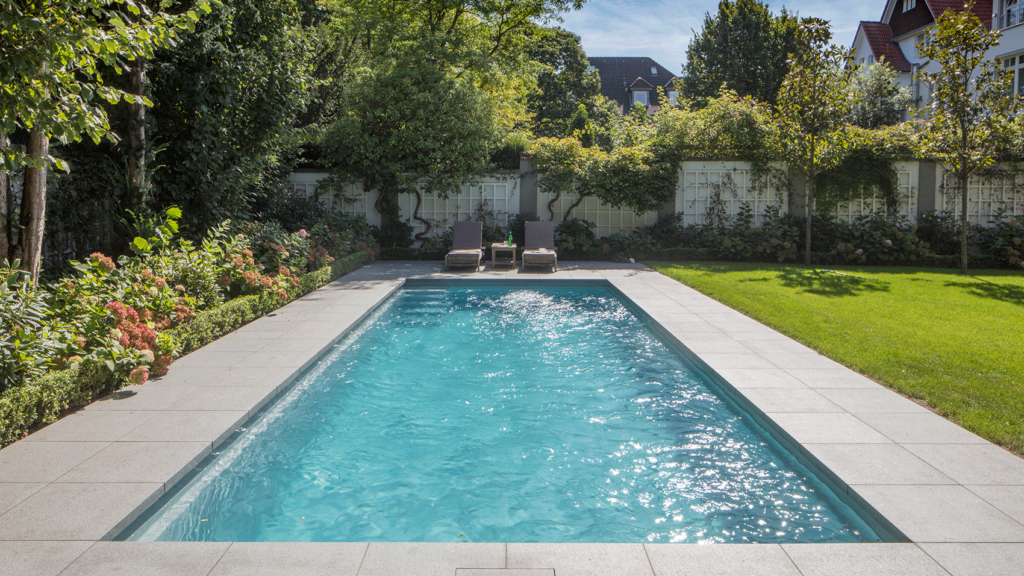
[{"x": 706, "y": 189}]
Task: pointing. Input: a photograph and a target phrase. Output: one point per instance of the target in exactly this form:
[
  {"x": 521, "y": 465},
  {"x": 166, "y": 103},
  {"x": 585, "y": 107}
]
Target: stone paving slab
[{"x": 68, "y": 487}]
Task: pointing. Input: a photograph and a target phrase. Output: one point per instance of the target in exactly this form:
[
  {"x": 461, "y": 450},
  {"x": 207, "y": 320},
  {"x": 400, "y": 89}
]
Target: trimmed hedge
[{"x": 42, "y": 401}]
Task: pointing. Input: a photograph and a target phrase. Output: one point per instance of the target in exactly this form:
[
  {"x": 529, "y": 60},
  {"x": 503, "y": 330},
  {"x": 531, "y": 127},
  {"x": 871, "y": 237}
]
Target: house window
[
  {"x": 591, "y": 68},
  {"x": 673, "y": 97},
  {"x": 1015, "y": 64},
  {"x": 640, "y": 97},
  {"x": 909, "y": 5},
  {"x": 654, "y": 70},
  {"x": 871, "y": 60}
]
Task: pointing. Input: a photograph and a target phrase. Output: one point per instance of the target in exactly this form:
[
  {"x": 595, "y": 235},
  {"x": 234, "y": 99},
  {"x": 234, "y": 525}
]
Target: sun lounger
[
  {"x": 540, "y": 245},
  {"x": 467, "y": 245}
]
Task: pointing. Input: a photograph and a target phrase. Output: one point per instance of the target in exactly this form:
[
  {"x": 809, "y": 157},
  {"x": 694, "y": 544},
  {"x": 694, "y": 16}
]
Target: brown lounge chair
[
  {"x": 540, "y": 245},
  {"x": 467, "y": 245}
]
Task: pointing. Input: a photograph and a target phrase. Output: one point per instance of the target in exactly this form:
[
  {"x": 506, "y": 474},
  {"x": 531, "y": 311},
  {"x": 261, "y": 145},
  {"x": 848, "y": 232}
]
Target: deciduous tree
[
  {"x": 744, "y": 47},
  {"x": 966, "y": 121},
  {"x": 879, "y": 101},
  {"x": 813, "y": 108}
]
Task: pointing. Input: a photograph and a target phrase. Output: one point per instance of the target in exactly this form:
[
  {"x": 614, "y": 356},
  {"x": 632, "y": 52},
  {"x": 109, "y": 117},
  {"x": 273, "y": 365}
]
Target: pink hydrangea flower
[
  {"x": 860, "y": 251},
  {"x": 888, "y": 242},
  {"x": 303, "y": 232}
]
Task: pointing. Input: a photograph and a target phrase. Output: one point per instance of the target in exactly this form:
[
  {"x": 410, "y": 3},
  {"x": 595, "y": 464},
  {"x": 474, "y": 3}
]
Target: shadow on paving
[
  {"x": 1010, "y": 293},
  {"x": 830, "y": 282}
]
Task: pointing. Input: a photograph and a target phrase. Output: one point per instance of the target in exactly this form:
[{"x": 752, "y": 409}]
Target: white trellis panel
[
  {"x": 906, "y": 174},
  {"x": 351, "y": 199},
  {"x": 497, "y": 193},
  {"x": 985, "y": 196},
  {"x": 700, "y": 182},
  {"x": 608, "y": 220}
]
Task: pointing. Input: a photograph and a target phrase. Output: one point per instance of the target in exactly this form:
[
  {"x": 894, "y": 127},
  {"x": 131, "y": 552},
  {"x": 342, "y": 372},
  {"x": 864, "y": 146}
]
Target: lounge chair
[
  {"x": 467, "y": 245},
  {"x": 540, "y": 245}
]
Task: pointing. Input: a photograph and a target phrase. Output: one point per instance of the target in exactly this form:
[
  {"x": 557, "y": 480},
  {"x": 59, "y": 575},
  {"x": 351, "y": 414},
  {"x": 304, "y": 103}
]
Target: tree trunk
[
  {"x": 963, "y": 179},
  {"x": 5, "y": 195},
  {"x": 137, "y": 137},
  {"x": 33, "y": 205},
  {"x": 810, "y": 214},
  {"x": 387, "y": 202}
]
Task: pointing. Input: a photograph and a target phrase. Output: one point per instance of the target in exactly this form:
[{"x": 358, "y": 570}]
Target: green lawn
[{"x": 954, "y": 341}]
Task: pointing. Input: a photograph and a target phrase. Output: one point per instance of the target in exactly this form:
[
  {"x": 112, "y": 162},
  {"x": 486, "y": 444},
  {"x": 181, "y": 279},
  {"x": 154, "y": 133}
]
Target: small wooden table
[{"x": 503, "y": 255}]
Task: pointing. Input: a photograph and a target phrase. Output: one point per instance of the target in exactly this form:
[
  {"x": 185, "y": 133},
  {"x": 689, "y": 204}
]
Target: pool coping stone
[{"x": 71, "y": 487}]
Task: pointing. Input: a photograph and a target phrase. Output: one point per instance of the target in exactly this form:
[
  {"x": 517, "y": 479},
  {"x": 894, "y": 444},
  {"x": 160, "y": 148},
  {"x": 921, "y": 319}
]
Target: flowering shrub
[
  {"x": 1005, "y": 239},
  {"x": 878, "y": 240}
]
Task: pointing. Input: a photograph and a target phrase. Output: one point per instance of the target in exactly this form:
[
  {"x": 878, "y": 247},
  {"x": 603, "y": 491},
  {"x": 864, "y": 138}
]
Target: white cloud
[{"x": 662, "y": 29}]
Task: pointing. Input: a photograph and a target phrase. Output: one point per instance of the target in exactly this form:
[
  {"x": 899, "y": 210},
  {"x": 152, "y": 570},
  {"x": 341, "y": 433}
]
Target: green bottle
[{"x": 509, "y": 238}]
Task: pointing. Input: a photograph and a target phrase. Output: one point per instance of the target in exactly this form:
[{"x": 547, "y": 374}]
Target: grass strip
[{"x": 953, "y": 341}]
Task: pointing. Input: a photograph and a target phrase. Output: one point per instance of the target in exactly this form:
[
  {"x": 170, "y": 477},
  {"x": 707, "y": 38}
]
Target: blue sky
[{"x": 661, "y": 29}]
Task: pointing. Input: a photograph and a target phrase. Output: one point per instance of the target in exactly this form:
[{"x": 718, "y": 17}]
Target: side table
[{"x": 503, "y": 255}]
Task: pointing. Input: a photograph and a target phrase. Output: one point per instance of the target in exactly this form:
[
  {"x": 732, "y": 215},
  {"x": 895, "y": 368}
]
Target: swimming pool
[{"x": 510, "y": 414}]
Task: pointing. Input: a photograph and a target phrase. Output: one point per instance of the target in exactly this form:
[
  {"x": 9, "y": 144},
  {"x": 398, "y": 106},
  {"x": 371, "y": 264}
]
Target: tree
[
  {"x": 880, "y": 100},
  {"x": 51, "y": 54},
  {"x": 564, "y": 84},
  {"x": 813, "y": 108},
  {"x": 226, "y": 99},
  {"x": 407, "y": 127},
  {"x": 972, "y": 101},
  {"x": 743, "y": 47}
]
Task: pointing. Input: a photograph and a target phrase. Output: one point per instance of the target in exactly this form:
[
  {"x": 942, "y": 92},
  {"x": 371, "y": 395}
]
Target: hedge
[{"x": 43, "y": 400}]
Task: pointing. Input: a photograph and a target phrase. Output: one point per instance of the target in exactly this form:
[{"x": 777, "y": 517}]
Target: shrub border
[{"x": 43, "y": 400}]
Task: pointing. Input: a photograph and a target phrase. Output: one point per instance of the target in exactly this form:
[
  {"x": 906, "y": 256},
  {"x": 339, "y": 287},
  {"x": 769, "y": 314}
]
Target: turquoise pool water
[{"x": 503, "y": 414}]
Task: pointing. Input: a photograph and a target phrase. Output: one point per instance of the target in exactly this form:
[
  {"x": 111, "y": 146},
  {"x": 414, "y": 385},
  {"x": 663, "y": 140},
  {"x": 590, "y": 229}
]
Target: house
[
  {"x": 633, "y": 80},
  {"x": 904, "y": 25}
]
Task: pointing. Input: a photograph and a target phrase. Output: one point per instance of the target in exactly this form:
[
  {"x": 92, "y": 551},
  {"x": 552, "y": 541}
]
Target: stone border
[{"x": 78, "y": 482}]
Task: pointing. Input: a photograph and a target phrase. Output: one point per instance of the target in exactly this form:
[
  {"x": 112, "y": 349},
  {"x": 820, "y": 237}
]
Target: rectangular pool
[{"x": 505, "y": 414}]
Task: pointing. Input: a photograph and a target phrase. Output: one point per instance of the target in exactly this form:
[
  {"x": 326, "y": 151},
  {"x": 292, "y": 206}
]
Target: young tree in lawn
[
  {"x": 813, "y": 108},
  {"x": 972, "y": 102},
  {"x": 50, "y": 58}
]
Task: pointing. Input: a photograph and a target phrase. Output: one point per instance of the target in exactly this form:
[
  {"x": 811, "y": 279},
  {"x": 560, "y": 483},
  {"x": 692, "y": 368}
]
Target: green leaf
[
  {"x": 109, "y": 364},
  {"x": 141, "y": 245},
  {"x": 174, "y": 212}
]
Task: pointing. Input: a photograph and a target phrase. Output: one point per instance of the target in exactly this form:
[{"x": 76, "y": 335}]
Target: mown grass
[{"x": 953, "y": 341}]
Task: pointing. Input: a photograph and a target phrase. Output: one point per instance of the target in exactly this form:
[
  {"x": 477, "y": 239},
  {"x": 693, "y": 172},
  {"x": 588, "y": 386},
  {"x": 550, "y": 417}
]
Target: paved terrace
[{"x": 68, "y": 489}]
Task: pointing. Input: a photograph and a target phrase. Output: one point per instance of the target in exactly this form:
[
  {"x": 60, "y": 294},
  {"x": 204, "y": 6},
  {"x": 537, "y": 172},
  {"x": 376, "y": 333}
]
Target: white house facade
[{"x": 905, "y": 23}]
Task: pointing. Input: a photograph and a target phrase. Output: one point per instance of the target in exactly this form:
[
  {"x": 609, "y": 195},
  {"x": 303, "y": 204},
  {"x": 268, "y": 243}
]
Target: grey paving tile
[
  {"x": 876, "y": 464},
  {"x": 789, "y": 400},
  {"x": 226, "y": 398},
  {"x": 14, "y": 493},
  {"x": 38, "y": 558},
  {"x": 680, "y": 317},
  {"x": 867, "y": 400},
  {"x": 920, "y": 428},
  {"x": 77, "y": 511},
  {"x": 827, "y": 429},
  {"x": 711, "y": 344},
  {"x": 269, "y": 357},
  {"x": 723, "y": 317},
  {"x": 831, "y": 378},
  {"x": 744, "y": 378},
  {"x": 188, "y": 376},
  {"x": 92, "y": 426},
  {"x": 775, "y": 347},
  {"x": 679, "y": 329},
  {"x": 291, "y": 558},
  {"x": 862, "y": 560},
  {"x": 745, "y": 326},
  {"x": 256, "y": 326},
  {"x": 1007, "y": 499},
  {"x": 978, "y": 559},
  {"x": 188, "y": 426},
  {"x": 790, "y": 361},
  {"x": 309, "y": 345},
  {"x": 314, "y": 330},
  {"x": 256, "y": 376},
  {"x": 719, "y": 362},
  {"x": 504, "y": 572},
  {"x": 164, "y": 462},
  {"x": 429, "y": 558},
  {"x": 236, "y": 342},
  {"x": 973, "y": 464},
  {"x": 720, "y": 560},
  {"x": 582, "y": 559},
  {"x": 940, "y": 513},
  {"x": 149, "y": 396},
  {"x": 149, "y": 559},
  {"x": 260, "y": 334},
  {"x": 289, "y": 315},
  {"x": 211, "y": 359},
  {"x": 44, "y": 461},
  {"x": 765, "y": 334}
]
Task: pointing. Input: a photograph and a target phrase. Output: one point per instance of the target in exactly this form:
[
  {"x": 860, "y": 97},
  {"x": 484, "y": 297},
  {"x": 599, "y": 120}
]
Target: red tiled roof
[
  {"x": 878, "y": 36},
  {"x": 982, "y": 8}
]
